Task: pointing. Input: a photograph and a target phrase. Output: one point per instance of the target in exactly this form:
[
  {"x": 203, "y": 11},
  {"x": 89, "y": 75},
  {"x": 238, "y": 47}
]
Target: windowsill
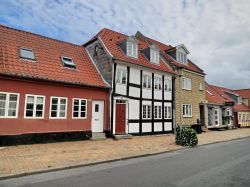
[
  {"x": 57, "y": 118},
  {"x": 186, "y": 89},
  {"x": 14, "y": 117},
  {"x": 33, "y": 117},
  {"x": 187, "y": 116},
  {"x": 79, "y": 118}
]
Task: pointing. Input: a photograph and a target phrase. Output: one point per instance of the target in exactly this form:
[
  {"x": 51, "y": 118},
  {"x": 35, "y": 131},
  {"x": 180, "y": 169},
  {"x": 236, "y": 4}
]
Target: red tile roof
[
  {"x": 112, "y": 38},
  {"x": 213, "y": 97},
  {"x": 164, "y": 47},
  {"x": 48, "y": 65},
  {"x": 222, "y": 91},
  {"x": 245, "y": 93}
]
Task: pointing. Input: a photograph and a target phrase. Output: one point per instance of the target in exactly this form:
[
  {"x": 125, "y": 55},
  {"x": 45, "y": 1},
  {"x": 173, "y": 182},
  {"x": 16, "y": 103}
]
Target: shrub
[{"x": 186, "y": 136}]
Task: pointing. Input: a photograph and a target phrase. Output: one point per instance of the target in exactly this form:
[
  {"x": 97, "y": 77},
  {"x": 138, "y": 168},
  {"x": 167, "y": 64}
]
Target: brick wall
[{"x": 194, "y": 97}]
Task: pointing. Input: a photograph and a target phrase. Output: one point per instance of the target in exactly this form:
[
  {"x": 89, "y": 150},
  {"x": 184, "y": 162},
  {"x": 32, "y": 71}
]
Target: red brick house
[{"x": 49, "y": 86}]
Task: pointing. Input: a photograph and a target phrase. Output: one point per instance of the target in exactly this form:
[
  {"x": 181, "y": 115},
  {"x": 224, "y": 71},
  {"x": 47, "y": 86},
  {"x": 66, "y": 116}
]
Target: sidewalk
[{"x": 15, "y": 160}]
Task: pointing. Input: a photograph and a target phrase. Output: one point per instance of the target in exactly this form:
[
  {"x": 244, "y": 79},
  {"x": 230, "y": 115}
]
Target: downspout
[{"x": 174, "y": 104}]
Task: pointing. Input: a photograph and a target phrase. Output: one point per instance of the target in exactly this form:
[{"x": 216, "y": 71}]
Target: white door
[{"x": 97, "y": 116}]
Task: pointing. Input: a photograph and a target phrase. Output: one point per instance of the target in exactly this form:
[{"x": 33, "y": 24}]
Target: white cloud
[{"x": 217, "y": 32}]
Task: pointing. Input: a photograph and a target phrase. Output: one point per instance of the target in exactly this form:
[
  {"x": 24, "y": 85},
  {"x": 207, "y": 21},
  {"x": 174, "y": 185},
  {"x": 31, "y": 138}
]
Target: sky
[{"x": 216, "y": 32}]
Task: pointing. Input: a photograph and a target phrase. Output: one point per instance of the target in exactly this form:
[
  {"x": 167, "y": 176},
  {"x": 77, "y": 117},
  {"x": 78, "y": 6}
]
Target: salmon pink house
[{"x": 49, "y": 86}]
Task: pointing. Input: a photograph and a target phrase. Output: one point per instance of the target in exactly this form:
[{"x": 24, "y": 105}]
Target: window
[
  {"x": 239, "y": 100},
  {"x": 80, "y": 108},
  {"x": 132, "y": 49},
  {"x": 34, "y": 106},
  {"x": 8, "y": 105},
  {"x": 186, "y": 83},
  {"x": 239, "y": 117},
  {"x": 154, "y": 56},
  {"x": 146, "y": 111},
  {"x": 167, "y": 112},
  {"x": 158, "y": 83},
  {"x": 201, "y": 87},
  {"x": 243, "y": 117},
  {"x": 186, "y": 110},
  {"x": 27, "y": 53},
  {"x": 168, "y": 85},
  {"x": 158, "y": 112},
  {"x": 121, "y": 76},
  {"x": 68, "y": 62},
  {"x": 147, "y": 81},
  {"x": 181, "y": 57},
  {"x": 58, "y": 107}
]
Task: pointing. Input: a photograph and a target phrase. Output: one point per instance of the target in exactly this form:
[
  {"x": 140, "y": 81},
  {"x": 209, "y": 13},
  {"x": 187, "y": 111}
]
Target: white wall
[{"x": 135, "y": 75}]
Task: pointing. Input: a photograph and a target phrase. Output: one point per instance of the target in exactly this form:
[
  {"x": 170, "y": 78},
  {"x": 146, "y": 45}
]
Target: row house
[
  {"x": 49, "y": 86},
  {"x": 189, "y": 83},
  {"x": 240, "y": 109},
  {"x": 244, "y": 113},
  {"x": 142, "y": 83},
  {"x": 218, "y": 108}
]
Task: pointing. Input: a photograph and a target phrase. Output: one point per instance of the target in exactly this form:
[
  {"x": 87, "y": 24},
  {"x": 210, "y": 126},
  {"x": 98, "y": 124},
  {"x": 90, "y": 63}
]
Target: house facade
[
  {"x": 142, "y": 83},
  {"x": 49, "y": 86},
  {"x": 218, "y": 108},
  {"x": 241, "y": 110},
  {"x": 189, "y": 87}
]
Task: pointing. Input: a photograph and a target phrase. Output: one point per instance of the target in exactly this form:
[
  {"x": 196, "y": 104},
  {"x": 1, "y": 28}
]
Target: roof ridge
[{"x": 39, "y": 35}]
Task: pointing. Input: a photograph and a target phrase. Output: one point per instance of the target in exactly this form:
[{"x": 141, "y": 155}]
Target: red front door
[
  {"x": 120, "y": 116},
  {"x": 236, "y": 122}
]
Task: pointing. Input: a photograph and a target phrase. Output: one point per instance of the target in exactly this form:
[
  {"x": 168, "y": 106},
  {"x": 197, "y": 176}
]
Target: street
[{"x": 221, "y": 164}]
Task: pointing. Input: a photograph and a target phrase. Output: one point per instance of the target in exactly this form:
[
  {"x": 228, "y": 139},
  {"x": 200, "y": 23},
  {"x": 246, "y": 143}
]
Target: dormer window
[
  {"x": 27, "y": 54},
  {"x": 154, "y": 54},
  {"x": 181, "y": 57},
  {"x": 239, "y": 100},
  {"x": 132, "y": 48},
  {"x": 68, "y": 62}
]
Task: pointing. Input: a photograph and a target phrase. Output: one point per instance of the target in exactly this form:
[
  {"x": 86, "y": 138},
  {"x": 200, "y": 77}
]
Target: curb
[{"x": 105, "y": 161}]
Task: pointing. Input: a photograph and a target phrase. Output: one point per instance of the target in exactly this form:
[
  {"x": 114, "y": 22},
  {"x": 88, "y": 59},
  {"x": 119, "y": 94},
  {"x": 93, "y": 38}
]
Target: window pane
[
  {"x": 53, "y": 107},
  {"x": 2, "y": 104},
  {"x": 83, "y": 114},
  {"x": 62, "y": 107},
  {"x": 29, "y": 106},
  {"x": 39, "y": 100},
  {"x": 62, "y": 114},
  {"x": 83, "y": 102},
  {"x": 160, "y": 111},
  {"x": 39, "y": 107},
  {"x": 63, "y": 101},
  {"x": 76, "y": 102},
  {"x": 30, "y": 99},
  {"x": 76, "y": 108},
  {"x": 2, "y": 112},
  {"x": 12, "y": 105},
  {"x": 29, "y": 113},
  {"x": 2, "y": 97},
  {"x": 54, "y": 100},
  {"x": 25, "y": 53},
  {"x": 75, "y": 114},
  {"x": 149, "y": 111},
  {"x": 53, "y": 114},
  {"x": 12, "y": 113},
  {"x": 83, "y": 108},
  {"x": 149, "y": 81},
  {"x": 96, "y": 107},
  {"x": 39, "y": 113},
  {"x": 13, "y": 97}
]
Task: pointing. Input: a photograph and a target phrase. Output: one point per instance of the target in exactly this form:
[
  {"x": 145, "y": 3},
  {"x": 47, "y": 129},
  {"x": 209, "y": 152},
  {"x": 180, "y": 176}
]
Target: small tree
[{"x": 186, "y": 136}]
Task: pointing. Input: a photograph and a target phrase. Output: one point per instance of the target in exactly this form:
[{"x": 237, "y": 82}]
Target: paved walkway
[{"x": 31, "y": 158}]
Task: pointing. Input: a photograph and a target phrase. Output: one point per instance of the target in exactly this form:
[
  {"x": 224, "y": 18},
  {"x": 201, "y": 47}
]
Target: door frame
[
  {"x": 125, "y": 101},
  {"x": 92, "y": 116}
]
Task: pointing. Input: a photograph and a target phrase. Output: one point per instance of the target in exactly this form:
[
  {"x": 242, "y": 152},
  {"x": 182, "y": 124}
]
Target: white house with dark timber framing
[{"x": 142, "y": 83}]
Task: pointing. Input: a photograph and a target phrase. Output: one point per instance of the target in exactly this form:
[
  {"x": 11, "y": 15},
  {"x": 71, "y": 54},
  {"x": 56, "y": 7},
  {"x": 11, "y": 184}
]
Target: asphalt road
[{"x": 222, "y": 164}]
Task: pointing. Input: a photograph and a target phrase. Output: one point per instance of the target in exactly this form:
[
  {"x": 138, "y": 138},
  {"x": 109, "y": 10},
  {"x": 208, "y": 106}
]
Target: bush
[{"x": 186, "y": 136}]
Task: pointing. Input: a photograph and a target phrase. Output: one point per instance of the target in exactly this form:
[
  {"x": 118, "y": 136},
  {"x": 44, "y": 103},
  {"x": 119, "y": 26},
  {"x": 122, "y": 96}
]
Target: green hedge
[{"x": 186, "y": 136}]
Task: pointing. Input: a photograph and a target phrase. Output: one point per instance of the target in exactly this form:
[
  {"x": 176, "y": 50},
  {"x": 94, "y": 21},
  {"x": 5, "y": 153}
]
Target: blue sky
[{"x": 216, "y": 32}]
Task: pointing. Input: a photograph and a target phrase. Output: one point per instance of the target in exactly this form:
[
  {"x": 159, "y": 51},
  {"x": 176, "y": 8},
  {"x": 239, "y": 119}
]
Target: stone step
[
  {"x": 98, "y": 136},
  {"x": 123, "y": 136}
]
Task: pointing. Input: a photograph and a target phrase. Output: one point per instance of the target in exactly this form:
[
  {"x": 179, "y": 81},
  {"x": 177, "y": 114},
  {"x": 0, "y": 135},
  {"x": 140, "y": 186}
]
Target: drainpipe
[{"x": 174, "y": 104}]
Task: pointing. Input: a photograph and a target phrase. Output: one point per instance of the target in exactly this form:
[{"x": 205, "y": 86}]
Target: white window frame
[
  {"x": 132, "y": 49},
  {"x": 7, "y": 105},
  {"x": 201, "y": 87},
  {"x": 148, "y": 80},
  {"x": 186, "y": 83},
  {"x": 239, "y": 100},
  {"x": 187, "y": 114},
  {"x": 34, "y": 109},
  {"x": 158, "y": 112},
  {"x": 26, "y": 49},
  {"x": 167, "y": 85},
  {"x": 120, "y": 72},
  {"x": 167, "y": 112},
  {"x": 65, "y": 65},
  {"x": 58, "y": 111},
  {"x": 154, "y": 56},
  {"x": 181, "y": 57},
  {"x": 79, "y": 110},
  {"x": 147, "y": 106},
  {"x": 157, "y": 83}
]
